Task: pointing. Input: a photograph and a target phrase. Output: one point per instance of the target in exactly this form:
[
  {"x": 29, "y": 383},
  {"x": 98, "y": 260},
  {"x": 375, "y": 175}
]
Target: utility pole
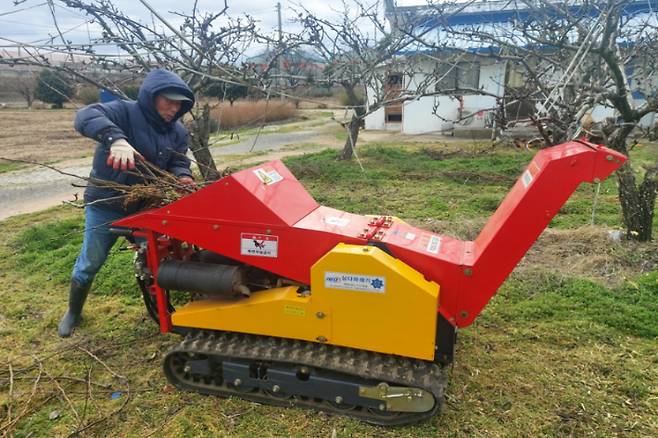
[
  {"x": 281, "y": 80},
  {"x": 278, "y": 11}
]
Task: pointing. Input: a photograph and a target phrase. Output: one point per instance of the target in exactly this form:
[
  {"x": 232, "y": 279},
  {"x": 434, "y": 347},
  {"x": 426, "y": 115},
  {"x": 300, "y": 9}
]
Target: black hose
[{"x": 151, "y": 303}]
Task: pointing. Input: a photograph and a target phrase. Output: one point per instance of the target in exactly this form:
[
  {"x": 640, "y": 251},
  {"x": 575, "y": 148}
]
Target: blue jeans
[{"x": 96, "y": 243}]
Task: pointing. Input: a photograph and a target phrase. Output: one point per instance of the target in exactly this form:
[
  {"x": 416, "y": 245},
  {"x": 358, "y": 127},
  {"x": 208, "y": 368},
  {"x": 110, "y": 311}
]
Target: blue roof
[{"x": 511, "y": 10}]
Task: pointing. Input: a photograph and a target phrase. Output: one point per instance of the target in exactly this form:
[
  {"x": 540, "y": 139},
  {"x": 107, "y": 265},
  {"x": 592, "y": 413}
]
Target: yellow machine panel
[
  {"x": 360, "y": 297},
  {"x": 376, "y": 302},
  {"x": 280, "y": 312}
]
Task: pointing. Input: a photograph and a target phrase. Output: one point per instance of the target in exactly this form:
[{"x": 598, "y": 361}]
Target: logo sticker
[
  {"x": 267, "y": 175},
  {"x": 433, "y": 244},
  {"x": 259, "y": 245},
  {"x": 337, "y": 221},
  {"x": 530, "y": 174},
  {"x": 526, "y": 178},
  {"x": 357, "y": 282},
  {"x": 410, "y": 236}
]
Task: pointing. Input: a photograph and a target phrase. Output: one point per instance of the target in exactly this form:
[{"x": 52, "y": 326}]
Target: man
[{"x": 148, "y": 129}]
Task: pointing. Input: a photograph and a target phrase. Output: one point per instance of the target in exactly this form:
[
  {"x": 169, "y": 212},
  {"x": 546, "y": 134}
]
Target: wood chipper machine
[{"x": 294, "y": 303}]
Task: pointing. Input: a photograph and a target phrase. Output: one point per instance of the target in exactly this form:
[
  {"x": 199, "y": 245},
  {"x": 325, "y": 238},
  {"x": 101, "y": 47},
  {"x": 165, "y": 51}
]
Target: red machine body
[{"x": 264, "y": 217}]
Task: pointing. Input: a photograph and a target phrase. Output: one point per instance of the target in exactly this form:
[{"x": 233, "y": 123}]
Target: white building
[{"x": 474, "y": 110}]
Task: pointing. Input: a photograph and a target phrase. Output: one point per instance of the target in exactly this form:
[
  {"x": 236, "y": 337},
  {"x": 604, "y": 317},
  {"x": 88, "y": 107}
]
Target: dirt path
[
  {"x": 266, "y": 142},
  {"x": 34, "y": 189}
]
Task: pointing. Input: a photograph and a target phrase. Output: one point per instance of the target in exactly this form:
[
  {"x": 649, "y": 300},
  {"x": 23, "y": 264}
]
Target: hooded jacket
[{"x": 160, "y": 142}]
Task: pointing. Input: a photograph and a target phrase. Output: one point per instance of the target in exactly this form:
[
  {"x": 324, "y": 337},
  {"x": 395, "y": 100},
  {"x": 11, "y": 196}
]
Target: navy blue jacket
[{"x": 161, "y": 143}]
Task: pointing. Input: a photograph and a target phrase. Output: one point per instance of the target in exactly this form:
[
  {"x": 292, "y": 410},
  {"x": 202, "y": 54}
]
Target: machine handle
[{"x": 125, "y": 232}]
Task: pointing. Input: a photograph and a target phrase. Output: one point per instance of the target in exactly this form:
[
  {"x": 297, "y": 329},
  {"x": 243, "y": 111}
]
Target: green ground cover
[
  {"x": 6, "y": 166},
  {"x": 568, "y": 347}
]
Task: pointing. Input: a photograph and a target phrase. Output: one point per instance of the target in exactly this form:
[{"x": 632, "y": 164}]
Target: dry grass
[
  {"x": 250, "y": 113},
  {"x": 586, "y": 252},
  {"x": 589, "y": 252},
  {"x": 41, "y": 135}
]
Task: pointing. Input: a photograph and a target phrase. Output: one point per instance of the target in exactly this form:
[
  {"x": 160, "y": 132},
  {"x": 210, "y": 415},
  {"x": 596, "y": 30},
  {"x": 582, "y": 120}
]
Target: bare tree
[
  {"x": 363, "y": 55},
  {"x": 360, "y": 52},
  {"x": 24, "y": 84},
  {"x": 572, "y": 57},
  {"x": 204, "y": 49}
]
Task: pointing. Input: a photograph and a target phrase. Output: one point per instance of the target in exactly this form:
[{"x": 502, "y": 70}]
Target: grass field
[
  {"x": 568, "y": 347},
  {"x": 41, "y": 135}
]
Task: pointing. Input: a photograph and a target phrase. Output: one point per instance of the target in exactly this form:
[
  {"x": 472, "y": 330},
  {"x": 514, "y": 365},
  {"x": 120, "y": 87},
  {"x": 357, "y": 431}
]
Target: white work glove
[
  {"x": 122, "y": 155},
  {"x": 187, "y": 181}
]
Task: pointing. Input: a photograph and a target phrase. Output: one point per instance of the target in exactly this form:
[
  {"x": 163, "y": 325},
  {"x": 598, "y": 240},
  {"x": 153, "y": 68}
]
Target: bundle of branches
[{"x": 159, "y": 187}]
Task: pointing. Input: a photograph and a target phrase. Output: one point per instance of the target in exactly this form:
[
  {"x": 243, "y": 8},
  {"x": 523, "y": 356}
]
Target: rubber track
[{"x": 363, "y": 364}]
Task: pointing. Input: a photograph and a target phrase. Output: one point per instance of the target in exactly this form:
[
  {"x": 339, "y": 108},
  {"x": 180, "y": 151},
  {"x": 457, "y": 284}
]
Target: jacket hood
[{"x": 155, "y": 82}]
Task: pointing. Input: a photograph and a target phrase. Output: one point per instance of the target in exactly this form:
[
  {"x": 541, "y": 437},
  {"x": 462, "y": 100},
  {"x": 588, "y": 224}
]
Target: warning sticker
[
  {"x": 533, "y": 168},
  {"x": 336, "y": 221},
  {"x": 410, "y": 236},
  {"x": 358, "y": 282},
  {"x": 259, "y": 245},
  {"x": 526, "y": 178},
  {"x": 434, "y": 244},
  {"x": 268, "y": 175},
  {"x": 294, "y": 310}
]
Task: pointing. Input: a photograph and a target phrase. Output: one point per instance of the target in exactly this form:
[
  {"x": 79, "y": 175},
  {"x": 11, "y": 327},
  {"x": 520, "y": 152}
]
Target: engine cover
[{"x": 360, "y": 297}]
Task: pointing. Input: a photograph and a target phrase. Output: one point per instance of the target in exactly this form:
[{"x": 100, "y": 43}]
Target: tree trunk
[
  {"x": 352, "y": 137},
  {"x": 648, "y": 193},
  {"x": 355, "y": 123},
  {"x": 29, "y": 98},
  {"x": 199, "y": 130},
  {"x": 637, "y": 202}
]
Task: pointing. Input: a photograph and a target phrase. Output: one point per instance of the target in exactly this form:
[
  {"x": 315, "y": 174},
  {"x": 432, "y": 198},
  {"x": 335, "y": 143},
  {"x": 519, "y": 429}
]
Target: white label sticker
[
  {"x": 259, "y": 245},
  {"x": 337, "y": 221},
  {"x": 358, "y": 282},
  {"x": 526, "y": 178},
  {"x": 268, "y": 175},
  {"x": 434, "y": 244},
  {"x": 410, "y": 236}
]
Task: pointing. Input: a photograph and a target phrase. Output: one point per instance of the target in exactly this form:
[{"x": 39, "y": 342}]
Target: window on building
[
  {"x": 394, "y": 80},
  {"x": 392, "y": 89},
  {"x": 446, "y": 77},
  {"x": 458, "y": 76},
  {"x": 468, "y": 75},
  {"x": 394, "y": 117},
  {"x": 515, "y": 77}
]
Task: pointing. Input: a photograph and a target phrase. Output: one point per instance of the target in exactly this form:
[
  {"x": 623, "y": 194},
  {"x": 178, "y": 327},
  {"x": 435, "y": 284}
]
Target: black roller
[{"x": 205, "y": 278}]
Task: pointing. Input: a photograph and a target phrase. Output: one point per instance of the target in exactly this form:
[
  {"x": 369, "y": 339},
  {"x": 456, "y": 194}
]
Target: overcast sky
[{"x": 32, "y": 22}]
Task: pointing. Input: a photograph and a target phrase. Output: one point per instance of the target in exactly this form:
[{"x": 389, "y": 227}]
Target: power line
[
  {"x": 97, "y": 42},
  {"x": 70, "y": 49},
  {"x": 72, "y": 29},
  {"x": 22, "y": 9},
  {"x": 25, "y": 24}
]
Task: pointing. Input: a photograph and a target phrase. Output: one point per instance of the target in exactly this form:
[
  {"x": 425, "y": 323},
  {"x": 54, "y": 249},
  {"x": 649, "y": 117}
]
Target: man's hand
[
  {"x": 122, "y": 155},
  {"x": 187, "y": 181}
]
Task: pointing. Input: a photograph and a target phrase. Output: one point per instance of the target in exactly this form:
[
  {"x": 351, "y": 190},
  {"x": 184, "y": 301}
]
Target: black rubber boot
[{"x": 73, "y": 316}]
